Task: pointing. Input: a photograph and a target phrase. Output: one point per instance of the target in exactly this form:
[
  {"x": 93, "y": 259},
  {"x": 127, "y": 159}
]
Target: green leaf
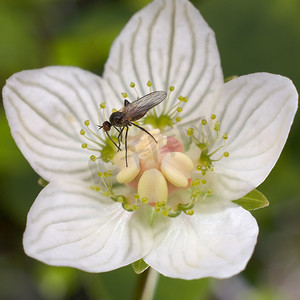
[
  {"x": 253, "y": 200},
  {"x": 230, "y": 78},
  {"x": 140, "y": 266}
]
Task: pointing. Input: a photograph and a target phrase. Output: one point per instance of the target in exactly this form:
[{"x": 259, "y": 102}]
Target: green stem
[
  {"x": 150, "y": 285},
  {"x": 146, "y": 285}
]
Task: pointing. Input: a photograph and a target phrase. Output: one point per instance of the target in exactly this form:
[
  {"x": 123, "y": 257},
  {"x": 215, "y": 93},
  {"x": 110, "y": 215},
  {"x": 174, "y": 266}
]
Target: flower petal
[
  {"x": 46, "y": 109},
  {"x": 71, "y": 225},
  {"x": 217, "y": 241},
  {"x": 257, "y": 112},
  {"x": 169, "y": 43}
]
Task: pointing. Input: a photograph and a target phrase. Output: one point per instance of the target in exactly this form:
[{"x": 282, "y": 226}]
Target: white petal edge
[
  {"x": 217, "y": 241},
  {"x": 46, "y": 109},
  {"x": 169, "y": 43},
  {"x": 257, "y": 112},
  {"x": 71, "y": 225}
]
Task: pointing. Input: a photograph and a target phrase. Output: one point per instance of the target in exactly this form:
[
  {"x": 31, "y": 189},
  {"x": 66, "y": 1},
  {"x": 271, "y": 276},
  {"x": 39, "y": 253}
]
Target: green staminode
[
  {"x": 160, "y": 122},
  {"x": 108, "y": 149}
]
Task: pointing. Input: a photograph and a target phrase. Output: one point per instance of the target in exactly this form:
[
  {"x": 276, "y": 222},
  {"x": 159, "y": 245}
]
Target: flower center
[{"x": 153, "y": 169}]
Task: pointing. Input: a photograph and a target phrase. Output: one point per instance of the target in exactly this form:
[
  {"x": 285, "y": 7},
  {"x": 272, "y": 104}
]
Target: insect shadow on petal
[{"x": 129, "y": 113}]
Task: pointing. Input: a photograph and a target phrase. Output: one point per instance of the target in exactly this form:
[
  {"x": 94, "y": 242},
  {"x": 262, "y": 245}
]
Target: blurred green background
[{"x": 252, "y": 35}]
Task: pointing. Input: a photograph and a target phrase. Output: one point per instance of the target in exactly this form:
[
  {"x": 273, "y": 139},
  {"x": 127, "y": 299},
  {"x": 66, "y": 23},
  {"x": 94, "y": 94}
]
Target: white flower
[{"x": 227, "y": 141}]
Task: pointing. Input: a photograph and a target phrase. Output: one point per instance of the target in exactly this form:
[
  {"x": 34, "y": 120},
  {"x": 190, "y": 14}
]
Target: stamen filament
[
  {"x": 167, "y": 101},
  {"x": 93, "y": 149},
  {"x": 132, "y": 85},
  {"x": 93, "y": 141},
  {"x": 215, "y": 151}
]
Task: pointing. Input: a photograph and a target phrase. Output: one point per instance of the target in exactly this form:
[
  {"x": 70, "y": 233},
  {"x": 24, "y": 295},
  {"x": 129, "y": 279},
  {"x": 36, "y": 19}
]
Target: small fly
[{"x": 129, "y": 113}]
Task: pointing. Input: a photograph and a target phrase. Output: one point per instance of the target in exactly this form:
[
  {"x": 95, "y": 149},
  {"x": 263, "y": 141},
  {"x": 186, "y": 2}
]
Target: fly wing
[{"x": 138, "y": 108}]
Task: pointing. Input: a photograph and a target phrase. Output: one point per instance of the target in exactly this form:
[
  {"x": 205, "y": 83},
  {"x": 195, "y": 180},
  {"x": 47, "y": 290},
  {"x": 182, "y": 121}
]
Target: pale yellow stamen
[
  {"x": 127, "y": 174},
  {"x": 177, "y": 168},
  {"x": 153, "y": 186}
]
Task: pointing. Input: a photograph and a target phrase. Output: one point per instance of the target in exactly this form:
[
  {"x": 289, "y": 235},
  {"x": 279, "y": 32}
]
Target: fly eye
[{"x": 106, "y": 126}]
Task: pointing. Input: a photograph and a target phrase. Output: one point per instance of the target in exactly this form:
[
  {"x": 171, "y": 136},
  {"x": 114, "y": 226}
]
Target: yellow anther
[
  {"x": 105, "y": 174},
  {"x": 133, "y": 207},
  {"x": 97, "y": 188},
  {"x": 93, "y": 158},
  {"x": 226, "y": 154},
  {"x": 109, "y": 173},
  {"x": 190, "y": 131},
  {"x": 203, "y": 122},
  {"x": 225, "y": 136},
  {"x": 136, "y": 196},
  {"x": 217, "y": 126},
  {"x": 195, "y": 193},
  {"x": 127, "y": 206},
  {"x": 120, "y": 199},
  {"x": 82, "y": 132},
  {"x": 103, "y": 105},
  {"x": 161, "y": 204},
  {"x": 197, "y": 181},
  {"x": 190, "y": 212},
  {"x": 113, "y": 110},
  {"x": 203, "y": 181},
  {"x": 132, "y": 84},
  {"x": 84, "y": 145},
  {"x": 179, "y": 109},
  {"x": 87, "y": 122},
  {"x": 199, "y": 168},
  {"x": 185, "y": 99},
  {"x": 180, "y": 98},
  {"x": 213, "y": 116},
  {"x": 100, "y": 174},
  {"x": 164, "y": 213},
  {"x": 124, "y": 95},
  {"x": 177, "y": 119},
  {"x": 171, "y": 88},
  {"x": 145, "y": 200},
  {"x": 149, "y": 83}
]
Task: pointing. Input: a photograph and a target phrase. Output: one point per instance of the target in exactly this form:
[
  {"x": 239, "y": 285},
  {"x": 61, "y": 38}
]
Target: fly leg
[
  {"x": 144, "y": 131},
  {"x": 119, "y": 149},
  {"x": 126, "y": 134},
  {"x": 119, "y": 135}
]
